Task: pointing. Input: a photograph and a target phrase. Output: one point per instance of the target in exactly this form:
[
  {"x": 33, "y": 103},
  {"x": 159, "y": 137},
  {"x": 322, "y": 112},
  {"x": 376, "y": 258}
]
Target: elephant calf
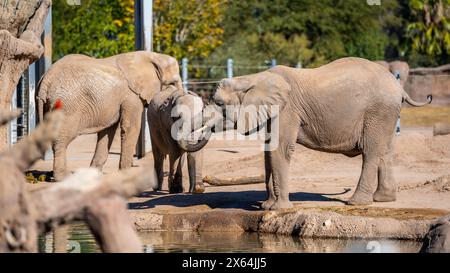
[{"x": 168, "y": 112}]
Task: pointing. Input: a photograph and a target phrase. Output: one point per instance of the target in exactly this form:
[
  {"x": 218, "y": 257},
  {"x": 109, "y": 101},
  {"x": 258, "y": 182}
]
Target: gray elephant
[
  {"x": 349, "y": 106},
  {"x": 399, "y": 68},
  {"x": 98, "y": 95},
  {"x": 167, "y": 113}
]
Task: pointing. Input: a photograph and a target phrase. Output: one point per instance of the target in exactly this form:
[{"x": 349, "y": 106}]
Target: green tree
[
  {"x": 187, "y": 28},
  {"x": 98, "y": 28},
  {"x": 429, "y": 29},
  {"x": 316, "y": 31}
]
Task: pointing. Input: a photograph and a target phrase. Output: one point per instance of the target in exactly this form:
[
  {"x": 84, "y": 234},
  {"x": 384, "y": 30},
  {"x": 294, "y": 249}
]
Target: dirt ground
[{"x": 317, "y": 179}]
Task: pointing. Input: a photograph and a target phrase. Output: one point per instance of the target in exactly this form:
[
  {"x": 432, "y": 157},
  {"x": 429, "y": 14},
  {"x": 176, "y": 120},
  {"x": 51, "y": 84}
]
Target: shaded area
[{"x": 249, "y": 200}]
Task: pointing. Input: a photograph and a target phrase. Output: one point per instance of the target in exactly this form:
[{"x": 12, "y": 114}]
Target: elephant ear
[
  {"x": 263, "y": 96},
  {"x": 147, "y": 72}
]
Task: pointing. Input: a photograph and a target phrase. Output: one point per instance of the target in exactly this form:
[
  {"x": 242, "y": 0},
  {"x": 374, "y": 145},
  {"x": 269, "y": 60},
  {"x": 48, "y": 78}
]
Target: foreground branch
[{"x": 65, "y": 201}]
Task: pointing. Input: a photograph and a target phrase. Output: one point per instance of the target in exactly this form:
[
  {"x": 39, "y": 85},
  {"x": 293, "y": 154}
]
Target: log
[
  {"x": 443, "y": 69},
  {"x": 241, "y": 180},
  {"x": 441, "y": 129}
]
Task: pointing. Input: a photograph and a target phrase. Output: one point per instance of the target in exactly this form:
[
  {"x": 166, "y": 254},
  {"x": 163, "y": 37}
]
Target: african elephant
[
  {"x": 98, "y": 95},
  {"x": 168, "y": 111},
  {"x": 348, "y": 106},
  {"x": 398, "y": 68}
]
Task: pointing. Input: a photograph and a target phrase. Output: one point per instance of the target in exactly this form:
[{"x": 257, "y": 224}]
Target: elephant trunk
[{"x": 194, "y": 147}]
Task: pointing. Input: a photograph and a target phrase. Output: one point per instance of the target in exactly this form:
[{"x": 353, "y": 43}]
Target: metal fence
[{"x": 202, "y": 78}]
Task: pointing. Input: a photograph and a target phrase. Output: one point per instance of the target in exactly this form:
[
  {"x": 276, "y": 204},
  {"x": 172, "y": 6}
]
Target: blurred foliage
[
  {"x": 253, "y": 32},
  {"x": 309, "y": 32},
  {"x": 98, "y": 28},
  {"x": 187, "y": 28},
  {"x": 428, "y": 31}
]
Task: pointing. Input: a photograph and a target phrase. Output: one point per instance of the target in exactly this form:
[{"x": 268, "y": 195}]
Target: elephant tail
[
  {"x": 407, "y": 98},
  {"x": 40, "y": 99}
]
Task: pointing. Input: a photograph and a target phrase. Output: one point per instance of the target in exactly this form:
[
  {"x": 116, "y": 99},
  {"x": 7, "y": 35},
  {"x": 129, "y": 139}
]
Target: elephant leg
[
  {"x": 387, "y": 187},
  {"x": 366, "y": 186},
  {"x": 158, "y": 163},
  {"x": 104, "y": 141},
  {"x": 59, "y": 160},
  {"x": 130, "y": 126},
  {"x": 269, "y": 185},
  {"x": 195, "y": 162},
  {"x": 175, "y": 173},
  {"x": 279, "y": 161}
]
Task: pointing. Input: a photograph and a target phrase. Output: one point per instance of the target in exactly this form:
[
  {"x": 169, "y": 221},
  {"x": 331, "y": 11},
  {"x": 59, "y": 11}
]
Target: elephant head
[
  {"x": 188, "y": 128},
  {"x": 398, "y": 68},
  {"x": 148, "y": 72},
  {"x": 250, "y": 101}
]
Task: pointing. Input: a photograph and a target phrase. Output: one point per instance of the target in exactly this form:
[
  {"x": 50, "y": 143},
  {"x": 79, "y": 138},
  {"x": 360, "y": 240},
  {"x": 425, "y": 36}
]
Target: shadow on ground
[{"x": 249, "y": 200}]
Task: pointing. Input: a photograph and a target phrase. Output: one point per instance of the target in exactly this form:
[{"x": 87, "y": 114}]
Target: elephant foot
[
  {"x": 199, "y": 188},
  {"x": 385, "y": 196},
  {"x": 176, "y": 189},
  {"x": 59, "y": 176},
  {"x": 267, "y": 204},
  {"x": 279, "y": 204},
  {"x": 360, "y": 199}
]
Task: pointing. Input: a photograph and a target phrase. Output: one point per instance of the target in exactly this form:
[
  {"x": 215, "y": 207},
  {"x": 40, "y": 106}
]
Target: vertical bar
[
  {"x": 273, "y": 63},
  {"x": 230, "y": 68},
  {"x": 148, "y": 38},
  {"x": 31, "y": 94},
  {"x": 143, "y": 25},
  {"x": 397, "y": 125},
  {"x": 298, "y": 65},
  {"x": 13, "y": 123},
  {"x": 184, "y": 72}
]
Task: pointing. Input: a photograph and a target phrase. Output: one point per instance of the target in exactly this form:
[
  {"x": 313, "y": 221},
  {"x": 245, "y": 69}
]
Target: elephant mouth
[{"x": 196, "y": 140}]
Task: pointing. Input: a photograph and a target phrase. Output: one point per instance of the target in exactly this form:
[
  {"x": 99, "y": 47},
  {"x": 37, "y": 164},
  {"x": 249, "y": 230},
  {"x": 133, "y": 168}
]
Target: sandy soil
[{"x": 421, "y": 167}]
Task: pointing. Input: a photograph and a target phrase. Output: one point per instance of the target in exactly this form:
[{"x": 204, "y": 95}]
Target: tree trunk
[
  {"x": 111, "y": 225},
  {"x": 21, "y": 26}
]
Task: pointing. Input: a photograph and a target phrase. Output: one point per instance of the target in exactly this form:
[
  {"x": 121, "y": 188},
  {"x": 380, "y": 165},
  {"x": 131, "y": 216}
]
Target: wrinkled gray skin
[
  {"x": 437, "y": 239},
  {"x": 349, "y": 106},
  {"x": 98, "y": 95},
  {"x": 165, "y": 114},
  {"x": 397, "y": 68}
]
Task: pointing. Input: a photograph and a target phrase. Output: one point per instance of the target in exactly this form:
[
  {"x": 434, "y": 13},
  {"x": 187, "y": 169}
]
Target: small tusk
[
  {"x": 200, "y": 130},
  {"x": 11, "y": 239}
]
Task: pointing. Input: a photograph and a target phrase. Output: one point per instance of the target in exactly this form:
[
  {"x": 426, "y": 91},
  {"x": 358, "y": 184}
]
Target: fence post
[
  {"x": 273, "y": 63},
  {"x": 184, "y": 72},
  {"x": 230, "y": 68},
  {"x": 397, "y": 126}
]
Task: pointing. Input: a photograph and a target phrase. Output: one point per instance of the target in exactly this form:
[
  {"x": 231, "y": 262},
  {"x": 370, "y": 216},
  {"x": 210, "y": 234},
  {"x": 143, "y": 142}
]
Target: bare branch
[
  {"x": 32, "y": 148},
  {"x": 66, "y": 200},
  {"x": 6, "y": 116}
]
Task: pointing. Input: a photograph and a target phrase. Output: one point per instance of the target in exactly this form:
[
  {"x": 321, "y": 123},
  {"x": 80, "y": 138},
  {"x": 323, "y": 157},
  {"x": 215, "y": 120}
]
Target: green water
[{"x": 77, "y": 238}]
